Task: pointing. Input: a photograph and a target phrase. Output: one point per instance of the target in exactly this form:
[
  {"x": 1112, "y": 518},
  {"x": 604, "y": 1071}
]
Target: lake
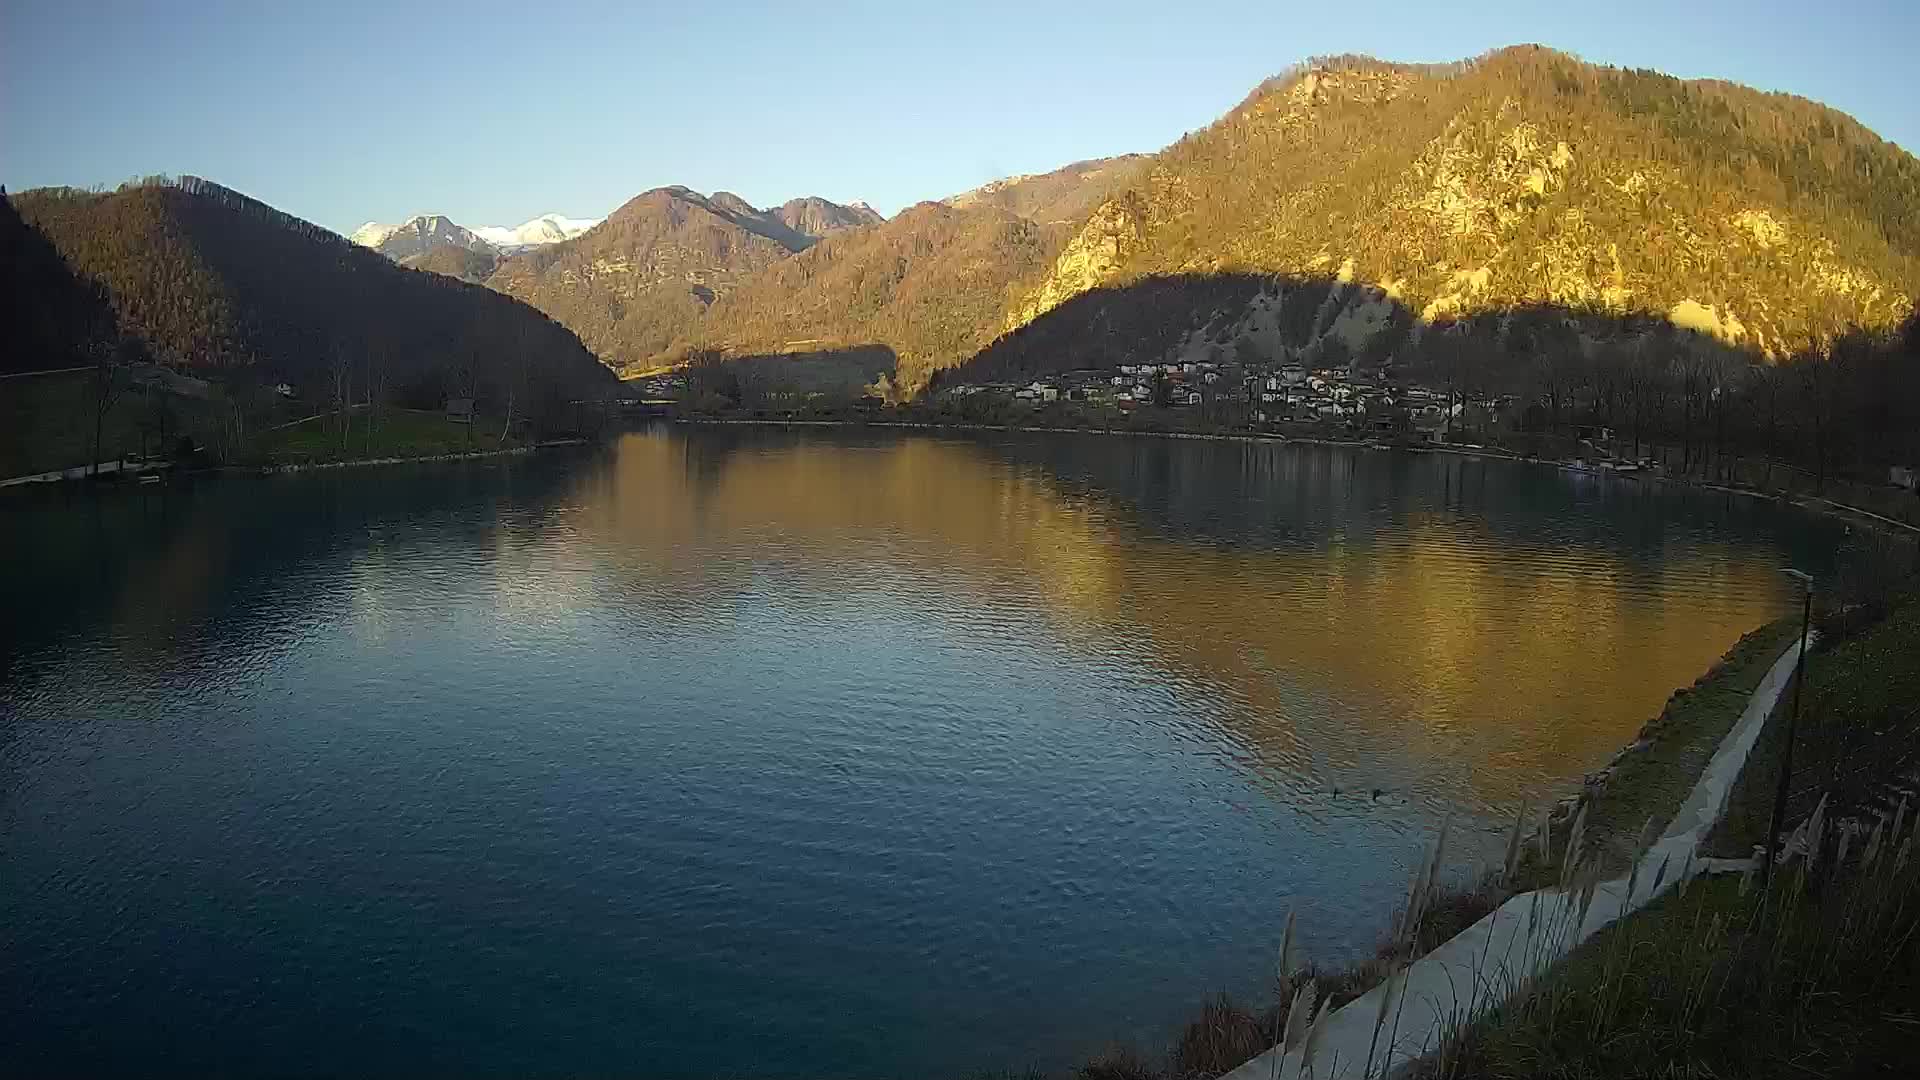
[{"x": 741, "y": 751}]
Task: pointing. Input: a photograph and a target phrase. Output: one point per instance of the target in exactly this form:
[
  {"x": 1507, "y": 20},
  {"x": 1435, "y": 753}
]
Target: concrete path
[
  {"x": 1525, "y": 937},
  {"x": 77, "y": 472}
]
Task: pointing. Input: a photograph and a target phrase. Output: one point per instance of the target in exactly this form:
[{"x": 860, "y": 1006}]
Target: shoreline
[
  {"x": 350, "y": 463},
  {"x": 1210, "y": 436},
  {"x": 472, "y": 455},
  {"x": 1502, "y": 953},
  {"x": 1812, "y": 504},
  {"x": 79, "y": 474}
]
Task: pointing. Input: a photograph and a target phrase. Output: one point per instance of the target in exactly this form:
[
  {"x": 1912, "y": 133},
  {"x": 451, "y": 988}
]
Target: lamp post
[{"x": 1793, "y": 720}]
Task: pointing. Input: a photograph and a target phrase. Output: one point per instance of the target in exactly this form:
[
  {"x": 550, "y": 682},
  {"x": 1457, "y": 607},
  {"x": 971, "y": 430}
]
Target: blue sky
[{"x": 347, "y": 111}]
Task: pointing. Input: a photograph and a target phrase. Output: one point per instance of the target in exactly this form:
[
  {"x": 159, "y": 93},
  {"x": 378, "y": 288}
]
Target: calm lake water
[{"x": 748, "y": 752}]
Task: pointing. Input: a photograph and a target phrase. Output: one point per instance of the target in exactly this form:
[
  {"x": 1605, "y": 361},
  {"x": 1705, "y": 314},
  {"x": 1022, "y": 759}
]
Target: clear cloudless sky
[{"x": 345, "y": 111}]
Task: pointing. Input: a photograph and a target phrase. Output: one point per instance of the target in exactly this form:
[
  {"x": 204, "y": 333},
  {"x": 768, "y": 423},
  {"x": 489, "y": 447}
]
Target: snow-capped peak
[
  {"x": 373, "y": 234},
  {"x": 545, "y": 229}
]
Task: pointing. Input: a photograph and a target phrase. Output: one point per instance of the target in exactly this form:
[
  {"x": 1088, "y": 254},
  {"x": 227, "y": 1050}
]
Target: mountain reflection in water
[{"x": 752, "y": 751}]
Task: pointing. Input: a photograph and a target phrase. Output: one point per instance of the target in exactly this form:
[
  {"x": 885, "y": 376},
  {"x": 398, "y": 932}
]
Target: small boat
[{"x": 149, "y": 478}]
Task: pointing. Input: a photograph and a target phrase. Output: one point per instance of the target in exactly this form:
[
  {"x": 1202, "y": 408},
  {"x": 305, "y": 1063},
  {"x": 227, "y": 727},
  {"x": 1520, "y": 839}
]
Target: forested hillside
[
  {"x": 1065, "y": 194},
  {"x": 644, "y": 277},
  {"x": 53, "y": 317},
  {"x": 455, "y": 261},
  {"x": 207, "y": 278},
  {"x": 814, "y": 217},
  {"x": 674, "y": 270},
  {"x": 930, "y": 284},
  {"x": 1526, "y": 201},
  {"x": 1606, "y": 200}
]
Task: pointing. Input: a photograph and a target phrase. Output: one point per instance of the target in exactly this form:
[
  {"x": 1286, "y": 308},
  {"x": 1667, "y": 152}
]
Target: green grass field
[
  {"x": 394, "y": 433},
  {"x": 46, "y": 423}
]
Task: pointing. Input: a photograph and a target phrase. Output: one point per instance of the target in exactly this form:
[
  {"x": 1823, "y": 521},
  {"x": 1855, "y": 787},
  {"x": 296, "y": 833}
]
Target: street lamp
[{"x": 1793, "y": 720}]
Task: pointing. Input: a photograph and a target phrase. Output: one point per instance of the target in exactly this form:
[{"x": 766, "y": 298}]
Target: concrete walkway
[
  {"x": 80, "y": 472},
  {"x": 1483, "y": 966}
]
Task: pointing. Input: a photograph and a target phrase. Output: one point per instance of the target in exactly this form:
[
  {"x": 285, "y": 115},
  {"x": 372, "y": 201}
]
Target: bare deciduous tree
[
  {"x": 108, "y": 385},
  {"x": 340, "y": 369}
]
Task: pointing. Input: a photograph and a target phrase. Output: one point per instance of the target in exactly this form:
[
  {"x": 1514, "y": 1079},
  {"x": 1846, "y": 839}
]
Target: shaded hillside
[
  {"x": 1524, "y": 178},
  {"x": 1850, "y": 406},
  {"x": 1112, "y": 325},
  {"x": 930, "y": 284},
  {"x": 1065, "y": 194},
  {"x": 787, "y": 381},
  {"x": 53, "y": 318},
  {"x": 640, "y": 279},
  {"x": 209, "y": 278}
]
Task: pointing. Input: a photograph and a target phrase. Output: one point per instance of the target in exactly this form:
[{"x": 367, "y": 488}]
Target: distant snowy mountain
[
  {"x": 373, "y": 234},
  {"x": 545, "y": 229},
  {"x": 426, "y": 232},
  {"x": 417, "y": 236}
]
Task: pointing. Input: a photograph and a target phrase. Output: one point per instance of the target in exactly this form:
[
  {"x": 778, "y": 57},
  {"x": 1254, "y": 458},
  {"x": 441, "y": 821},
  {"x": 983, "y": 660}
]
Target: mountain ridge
[
  {"x": 1521, "y": 181},
  {"x": 1067, "y": 193},
  {"x": 1525, "y": 177},
  {"x": 421, "y": 233},
  {"x": 1379, "y": 201},
  {"x": 636, "y": 283},
  {"x": 206, "y": 277}
]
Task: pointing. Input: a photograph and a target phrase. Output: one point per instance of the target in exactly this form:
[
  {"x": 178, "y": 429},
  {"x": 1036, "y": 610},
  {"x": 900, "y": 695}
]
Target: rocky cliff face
[
  {"x": 816, "y": 217},
  {"x": 1098, "y": 252}
]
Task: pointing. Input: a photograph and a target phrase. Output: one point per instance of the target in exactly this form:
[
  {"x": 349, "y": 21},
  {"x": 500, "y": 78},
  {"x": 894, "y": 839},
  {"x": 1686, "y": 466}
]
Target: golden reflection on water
[
  {"x": 1497, "y": 667},
  {"x": 523, "y": 704}
]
